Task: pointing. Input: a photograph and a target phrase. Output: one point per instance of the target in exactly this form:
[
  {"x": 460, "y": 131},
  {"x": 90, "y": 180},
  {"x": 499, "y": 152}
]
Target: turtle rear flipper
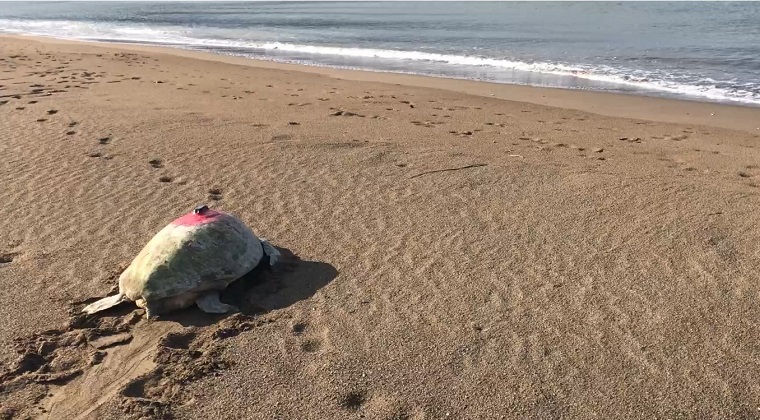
[
  {"x": 105, "y": 303},
  {"x": 211, "y": 304}
]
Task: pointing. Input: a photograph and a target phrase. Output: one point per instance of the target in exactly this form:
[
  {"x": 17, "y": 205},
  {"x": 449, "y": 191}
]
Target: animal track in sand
[
  {"x": 165, "y": 179},
  {"x": 340, "y": 112},
  {"x": 59, "y": 356},
  {"x": 462, "y": 134},
  {"x": 7, "y": 258},
  {"x": 299, "y": 328},
  {"x": 181, "y": 357},
  {"x": 70, "y": 133},
  {"x": 215, "y": 194},
  {"x": 177, "y": 340},
  {"x": 427, "y": 124},
  {"x": 156, "y": 163},
  {"x": 281, "y": 137},
  {"x": 104, "y": 140},
  {"x": 352, "y": 400},
  {"x": 311, "y": 345},
  {"x": 52, "y": 111}
]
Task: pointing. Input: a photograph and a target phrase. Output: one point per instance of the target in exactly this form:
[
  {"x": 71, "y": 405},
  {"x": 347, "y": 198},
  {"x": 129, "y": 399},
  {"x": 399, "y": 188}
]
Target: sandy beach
[{"x": 454, "y": 249}]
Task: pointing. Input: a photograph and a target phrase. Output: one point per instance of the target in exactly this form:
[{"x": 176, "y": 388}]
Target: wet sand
[{"x": 454, "y": 249}]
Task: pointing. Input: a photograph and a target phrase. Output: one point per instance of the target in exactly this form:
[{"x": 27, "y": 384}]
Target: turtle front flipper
[
  {"x": 105, "y": 303},
  {"x": 210, "y": 303},
  {"x": 272, "y": 252}
]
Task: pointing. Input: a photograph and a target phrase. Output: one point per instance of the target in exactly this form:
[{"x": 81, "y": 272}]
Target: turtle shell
[{"x": 202, "y": 250}]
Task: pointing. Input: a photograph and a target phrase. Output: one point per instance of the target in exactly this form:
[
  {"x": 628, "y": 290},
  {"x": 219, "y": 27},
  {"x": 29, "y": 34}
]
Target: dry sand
[{"x": 451, "y": 255}]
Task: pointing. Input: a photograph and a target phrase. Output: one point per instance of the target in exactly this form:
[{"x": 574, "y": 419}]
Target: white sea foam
[{"x": 626, "y": 79}]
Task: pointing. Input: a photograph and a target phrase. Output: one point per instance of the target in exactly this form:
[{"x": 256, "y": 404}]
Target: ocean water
[{"x": 698, "y": 51}]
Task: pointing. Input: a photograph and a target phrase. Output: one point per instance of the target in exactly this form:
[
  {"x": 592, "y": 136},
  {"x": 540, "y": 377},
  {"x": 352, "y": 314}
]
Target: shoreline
[{"x": 680, "y": 111}]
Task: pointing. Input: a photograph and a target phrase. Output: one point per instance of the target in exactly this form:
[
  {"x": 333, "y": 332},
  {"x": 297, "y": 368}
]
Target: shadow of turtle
[{"x": 265, "y": 288}]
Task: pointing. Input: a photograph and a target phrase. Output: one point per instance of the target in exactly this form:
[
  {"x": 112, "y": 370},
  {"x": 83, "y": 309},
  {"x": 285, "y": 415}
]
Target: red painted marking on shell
[{"x": 192, "y": 218}]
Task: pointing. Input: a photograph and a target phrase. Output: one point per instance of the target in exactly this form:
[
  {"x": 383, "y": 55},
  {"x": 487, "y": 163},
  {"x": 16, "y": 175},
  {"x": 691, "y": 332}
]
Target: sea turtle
[{"x": 190, "y": 261}]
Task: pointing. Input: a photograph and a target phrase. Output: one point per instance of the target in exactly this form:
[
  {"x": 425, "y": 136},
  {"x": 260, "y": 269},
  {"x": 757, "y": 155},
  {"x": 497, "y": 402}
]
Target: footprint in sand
[
  {"x": 299, "y": 328},
  {"x": 104, "y": 140},
  {"x": 177, "y": 340},
  {"x": 311, "y": 345},
  {"x": 165, "y": 179},
  {"x": 215, "y": 194},
  {"x": 353, "y": 400},
  {"x": 52, "y": 111},
  {"x": 345, "y": 114},
  {"x": 70, "y": 133},
  {"x": 156, "y": 163},
  {"x": 7, "y": 257}
]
